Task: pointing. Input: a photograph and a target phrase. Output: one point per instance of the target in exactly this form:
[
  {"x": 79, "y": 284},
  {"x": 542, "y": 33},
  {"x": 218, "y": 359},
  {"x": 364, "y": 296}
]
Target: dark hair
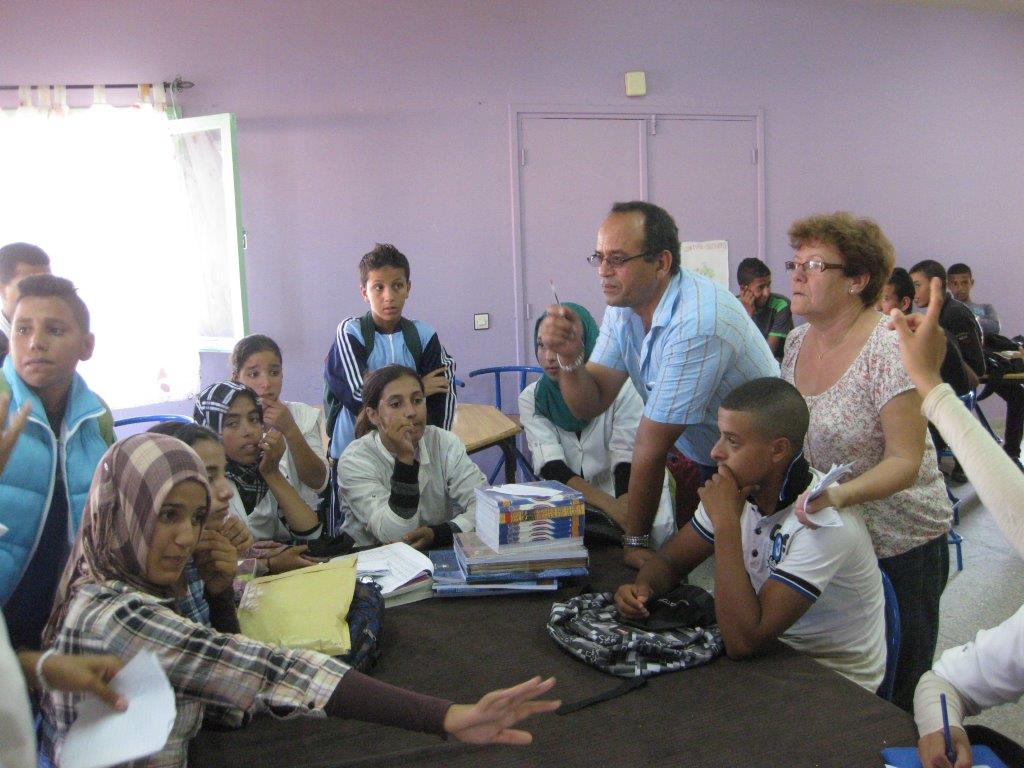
[
  {"x": 13, "y": 254},
  {"x": 931, "y": 268},
  {"x": 750, "y": 270},
  {"x": 249, "y": 346},
  {"x": 778, "y": 407},
  {"x": 660, "y": 230},
  {"x": 188, "y": 433},
  {"x": 902, "y": 285},
  {"x": 51, "y": 286},
  {"x": 382, "y": 255},
  {"x": 959, "y": 269},
  {"x": 860, "y": 242},
  {"x": 373, "y": 388}
]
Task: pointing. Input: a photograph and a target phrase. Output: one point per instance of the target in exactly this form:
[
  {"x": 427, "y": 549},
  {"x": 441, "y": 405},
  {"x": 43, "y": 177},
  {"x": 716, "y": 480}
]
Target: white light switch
[{"x": 481, "y": 322}]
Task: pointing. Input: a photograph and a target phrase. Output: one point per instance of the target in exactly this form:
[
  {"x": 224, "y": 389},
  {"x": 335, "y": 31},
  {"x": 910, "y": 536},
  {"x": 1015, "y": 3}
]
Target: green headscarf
[{"x": 548, "y": 398}]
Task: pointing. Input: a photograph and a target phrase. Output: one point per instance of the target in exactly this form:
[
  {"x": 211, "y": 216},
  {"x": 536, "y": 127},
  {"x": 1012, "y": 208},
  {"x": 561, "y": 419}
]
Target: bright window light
[{"x": 109, "y": 195}]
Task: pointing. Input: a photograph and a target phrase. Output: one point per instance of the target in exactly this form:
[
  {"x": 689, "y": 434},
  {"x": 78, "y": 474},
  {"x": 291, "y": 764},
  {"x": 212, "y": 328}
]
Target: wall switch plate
[
  {"x": 482, "y": 321},
  {"x": 636, "y": 83}
]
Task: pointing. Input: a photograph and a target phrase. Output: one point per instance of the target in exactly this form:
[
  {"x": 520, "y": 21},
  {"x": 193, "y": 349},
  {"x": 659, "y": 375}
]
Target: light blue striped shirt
[{"x": 701, "y": 346}]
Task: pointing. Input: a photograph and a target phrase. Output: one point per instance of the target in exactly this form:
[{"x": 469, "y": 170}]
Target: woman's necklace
[{"x": 833, "y": 347}]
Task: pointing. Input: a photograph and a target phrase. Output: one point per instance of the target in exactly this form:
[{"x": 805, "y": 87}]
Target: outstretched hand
[
  {"x": 9, "y": 433},
  {"x": 922, "y": 341},
  {"x": 490, "y": 720},
  {"x": 561, "y": 331}
]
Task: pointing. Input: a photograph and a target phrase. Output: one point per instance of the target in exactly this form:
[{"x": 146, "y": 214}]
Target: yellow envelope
[{"x": 306, "y": 608}]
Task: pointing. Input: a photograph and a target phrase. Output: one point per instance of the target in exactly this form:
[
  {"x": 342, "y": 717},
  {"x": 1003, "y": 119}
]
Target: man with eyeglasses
[{"x": 684, "y": 342}]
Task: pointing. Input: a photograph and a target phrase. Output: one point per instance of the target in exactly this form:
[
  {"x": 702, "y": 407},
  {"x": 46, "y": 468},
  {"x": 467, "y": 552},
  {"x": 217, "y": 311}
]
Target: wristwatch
[{"x": 637, "y": 541}]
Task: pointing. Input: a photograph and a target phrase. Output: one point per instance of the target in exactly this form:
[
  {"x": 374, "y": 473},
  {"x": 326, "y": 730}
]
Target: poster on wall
[{"x": 709, "y": 258}]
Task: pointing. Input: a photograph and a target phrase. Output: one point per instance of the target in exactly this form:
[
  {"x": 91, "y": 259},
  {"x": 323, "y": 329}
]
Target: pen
[
  {"x": 557, "y": 300},
  {"x": 950, "y": 754}
]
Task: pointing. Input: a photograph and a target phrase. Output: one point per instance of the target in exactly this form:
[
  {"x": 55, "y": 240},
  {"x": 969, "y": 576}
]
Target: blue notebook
[{"x": 906, "y": 757}]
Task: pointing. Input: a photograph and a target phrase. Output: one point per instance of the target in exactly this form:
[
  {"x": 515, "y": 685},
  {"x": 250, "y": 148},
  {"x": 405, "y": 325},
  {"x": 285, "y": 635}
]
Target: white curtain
[{"x": 101, "y": 191}]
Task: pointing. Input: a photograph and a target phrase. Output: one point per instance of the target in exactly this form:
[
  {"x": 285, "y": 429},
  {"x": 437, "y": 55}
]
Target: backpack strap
[
  {"x": 369, "y": 331},
  {"x": 412, "y": 341},
  {"x": 612, "y": 693}
]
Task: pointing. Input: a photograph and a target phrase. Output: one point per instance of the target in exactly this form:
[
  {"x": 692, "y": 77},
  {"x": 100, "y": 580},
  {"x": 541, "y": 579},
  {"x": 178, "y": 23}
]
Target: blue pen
[{"x": 950, "y": 754}]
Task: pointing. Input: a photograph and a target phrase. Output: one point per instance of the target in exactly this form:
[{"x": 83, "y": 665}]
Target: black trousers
[
  {"x": 1013, "y": 393},
  {"x": 918, "y": 576}
]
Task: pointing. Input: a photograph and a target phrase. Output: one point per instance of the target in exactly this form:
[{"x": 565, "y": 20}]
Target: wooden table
[
  {"x": 780, "y": 709},
  {"x": 484, "y": 426}
]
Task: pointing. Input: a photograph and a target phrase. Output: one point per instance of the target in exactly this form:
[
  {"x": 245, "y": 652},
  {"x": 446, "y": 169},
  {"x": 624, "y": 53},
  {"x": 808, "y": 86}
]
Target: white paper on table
[
  {"x": 102, "y": 736},
  {"x": 828, "y": 517},
  {"x": 392, "y": 565},
  {"x": 536, "y": 491}
]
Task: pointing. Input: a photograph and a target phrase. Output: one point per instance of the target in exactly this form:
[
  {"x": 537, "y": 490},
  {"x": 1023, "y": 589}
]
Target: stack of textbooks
[{"x": 527, "y": 536}]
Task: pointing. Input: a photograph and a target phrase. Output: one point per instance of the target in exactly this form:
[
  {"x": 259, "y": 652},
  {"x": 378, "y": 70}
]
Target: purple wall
[{"x": 367, "y": 121}]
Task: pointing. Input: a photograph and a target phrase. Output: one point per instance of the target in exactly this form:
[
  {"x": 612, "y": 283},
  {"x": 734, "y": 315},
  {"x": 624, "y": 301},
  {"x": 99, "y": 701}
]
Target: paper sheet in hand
[
  {"x": 102, "y": 736},
  {"x": 828, "y": 517}
]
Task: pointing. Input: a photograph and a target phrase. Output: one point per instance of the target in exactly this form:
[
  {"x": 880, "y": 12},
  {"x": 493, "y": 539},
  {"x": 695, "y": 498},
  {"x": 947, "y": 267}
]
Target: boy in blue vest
[
  {"x": 45, "y": 485},
  {"x": 383, "y": 337}
]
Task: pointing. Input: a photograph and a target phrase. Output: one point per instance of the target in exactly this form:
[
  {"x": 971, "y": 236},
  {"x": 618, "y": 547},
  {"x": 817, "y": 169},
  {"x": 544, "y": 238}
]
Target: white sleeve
[
  {"x": 541, "y": 435},
  {"x": 625, "y": 414},
  {"x": 310, "y": 422},
  {"x": 1000, "y": 485},
  {"x": 365, "y": 486},
  {"x": 702, "y": 524},
  {"x": 989, "y": 670},
  {"x": 462, "y": 478}
]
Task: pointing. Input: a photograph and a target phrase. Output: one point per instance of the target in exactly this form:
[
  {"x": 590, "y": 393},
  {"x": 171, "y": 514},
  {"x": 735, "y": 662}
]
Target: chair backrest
[
  {"x": 523, "y": 370},
  {"x": 892, "y": 637}
]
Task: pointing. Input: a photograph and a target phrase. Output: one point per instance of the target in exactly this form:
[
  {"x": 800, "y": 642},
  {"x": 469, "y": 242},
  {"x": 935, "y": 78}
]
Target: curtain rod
[{"x": 175, "y": 86}]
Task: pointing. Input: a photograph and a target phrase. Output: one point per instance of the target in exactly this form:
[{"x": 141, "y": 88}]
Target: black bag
[
  {"x": 365, "y": 624},
  {"x": 680, "y": 633}
]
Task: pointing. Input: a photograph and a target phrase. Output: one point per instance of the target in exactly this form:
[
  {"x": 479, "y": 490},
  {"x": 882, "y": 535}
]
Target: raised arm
[{"x": 588, "y": 389}]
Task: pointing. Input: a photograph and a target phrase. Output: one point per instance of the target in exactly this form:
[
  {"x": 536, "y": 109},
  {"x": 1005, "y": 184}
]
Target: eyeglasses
[
  {"x": 813, "y": 265},
  {"x": 615, "y": 262}
]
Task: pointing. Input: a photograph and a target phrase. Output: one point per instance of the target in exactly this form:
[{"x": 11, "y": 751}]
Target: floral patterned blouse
[{"x": 846, "y": 427}]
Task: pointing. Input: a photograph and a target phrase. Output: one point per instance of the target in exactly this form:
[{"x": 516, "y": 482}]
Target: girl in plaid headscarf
[{"x": 146, "y": 511}]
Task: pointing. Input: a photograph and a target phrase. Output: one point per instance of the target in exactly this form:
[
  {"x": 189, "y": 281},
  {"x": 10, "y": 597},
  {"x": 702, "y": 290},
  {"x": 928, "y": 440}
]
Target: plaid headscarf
[
  {"x": 212, "y": 405},
  {"x": 128, "y": 488}
]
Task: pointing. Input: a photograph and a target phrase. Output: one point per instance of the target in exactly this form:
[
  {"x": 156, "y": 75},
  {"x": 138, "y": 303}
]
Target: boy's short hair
[
  {"x": 382, "y": 255},
  {"x": 931, "y": 268},
  {"x": 750, "y": 270},
  {"x": 660, "y": 230},
  {"x": 51, "y": 286},
  {"x": 902, "y": 284},
  {"x": 960, "y": 269},
  {"x": 778, "y": 408},
  {"x": 13, "y": 254}
]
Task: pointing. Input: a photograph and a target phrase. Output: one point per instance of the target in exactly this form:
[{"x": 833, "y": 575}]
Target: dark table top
[{"x": 781, "y": 709}]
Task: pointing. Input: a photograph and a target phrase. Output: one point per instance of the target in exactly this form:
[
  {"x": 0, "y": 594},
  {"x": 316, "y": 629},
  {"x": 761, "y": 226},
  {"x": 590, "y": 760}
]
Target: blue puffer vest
[{"x": 26, "y": 485}]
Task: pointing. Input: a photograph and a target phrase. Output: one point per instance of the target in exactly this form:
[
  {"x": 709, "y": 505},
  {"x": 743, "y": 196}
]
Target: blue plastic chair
[
  {"x": 155, "y": 418},
  {"x": 524, "y": 371},
  {"x": 892, "y": 638}
]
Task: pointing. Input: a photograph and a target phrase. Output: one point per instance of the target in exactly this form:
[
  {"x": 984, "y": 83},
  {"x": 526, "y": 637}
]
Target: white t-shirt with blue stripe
[{"x": 836, "y": 569}]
